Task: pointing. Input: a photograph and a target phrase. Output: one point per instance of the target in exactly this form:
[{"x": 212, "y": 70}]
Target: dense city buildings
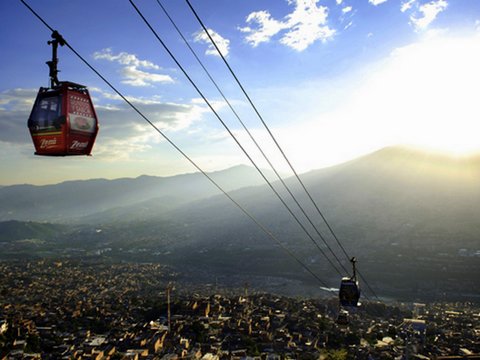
[{"x": 86, "y": 310}]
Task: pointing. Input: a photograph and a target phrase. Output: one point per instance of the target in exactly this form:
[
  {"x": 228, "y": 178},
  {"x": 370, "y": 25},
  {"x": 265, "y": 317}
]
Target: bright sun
[{"x": 428, "y": 95}]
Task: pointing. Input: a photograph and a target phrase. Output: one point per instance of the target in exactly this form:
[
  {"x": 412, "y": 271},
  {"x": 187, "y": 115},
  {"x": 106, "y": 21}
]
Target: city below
[{"x": 79, "y": 309}]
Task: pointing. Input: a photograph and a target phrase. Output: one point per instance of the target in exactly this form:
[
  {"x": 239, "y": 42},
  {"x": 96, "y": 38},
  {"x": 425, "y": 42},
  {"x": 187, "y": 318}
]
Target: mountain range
[
  {"x": 398, "y": 210},
  {"x": 71, "y": 201}
]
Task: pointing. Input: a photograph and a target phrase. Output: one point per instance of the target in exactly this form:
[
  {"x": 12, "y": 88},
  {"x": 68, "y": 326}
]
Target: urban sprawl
[{"x": 84, "y": 310}]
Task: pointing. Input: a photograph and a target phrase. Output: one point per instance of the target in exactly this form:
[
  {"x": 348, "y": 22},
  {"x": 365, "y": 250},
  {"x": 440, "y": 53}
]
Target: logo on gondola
[
  {"x": 48, "y": 143},
  {"x": 78, "y": 145}
]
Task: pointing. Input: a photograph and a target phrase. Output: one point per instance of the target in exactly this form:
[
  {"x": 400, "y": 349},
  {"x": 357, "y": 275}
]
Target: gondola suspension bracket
[{"x": 52, "y": 64}]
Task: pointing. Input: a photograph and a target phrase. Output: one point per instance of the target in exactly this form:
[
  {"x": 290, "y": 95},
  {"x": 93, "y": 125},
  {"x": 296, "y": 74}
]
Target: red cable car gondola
[{"x": 63, "y": 120}]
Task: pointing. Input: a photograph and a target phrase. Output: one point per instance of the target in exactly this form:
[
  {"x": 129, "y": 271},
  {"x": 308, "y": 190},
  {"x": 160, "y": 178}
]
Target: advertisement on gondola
[{"x": 81, "y": 114}]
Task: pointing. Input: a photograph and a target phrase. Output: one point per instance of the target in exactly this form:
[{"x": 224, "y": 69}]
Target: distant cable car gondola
[
  {"x": 343, "y": 317},
  {"x": 349, "y": 293},
  {"x": 63, "y": 120}
]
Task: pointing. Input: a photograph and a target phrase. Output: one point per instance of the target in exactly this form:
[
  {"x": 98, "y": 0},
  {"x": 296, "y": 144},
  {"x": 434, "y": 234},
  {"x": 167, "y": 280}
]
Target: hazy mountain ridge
[
  {"x": 394, "y": 195},
  {"x": 72, "y": 200},
  {"x": 397, "y": 187},
  {"x": 388, "y": 196}
]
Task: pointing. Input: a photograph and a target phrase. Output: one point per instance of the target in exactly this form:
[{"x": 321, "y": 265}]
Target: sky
[{"x": 333, "y": 79}]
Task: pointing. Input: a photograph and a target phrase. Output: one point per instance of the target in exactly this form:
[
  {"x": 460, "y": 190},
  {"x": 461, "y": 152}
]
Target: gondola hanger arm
[{"x": 52, "y": 64}]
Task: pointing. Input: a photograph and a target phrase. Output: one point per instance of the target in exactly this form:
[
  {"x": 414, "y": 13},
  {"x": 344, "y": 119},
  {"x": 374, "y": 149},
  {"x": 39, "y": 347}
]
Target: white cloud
[
  {"x": 124, "y": 135},
  {"x": 124, "y": 59},
  {"x": 267, "y": 27},
  {"x": 135, "y": 77},
  {"x": 429, "y": 12},
  {"x": 131, "y": 73},
  {"x": 348, "y": 25},
  {"x": 347, "y": 9},
  {"x": 339, "y": 2},
  {"x": 305, "y": 25},
  {"x": 17, "y": 99},
  {"x": 102, "y": 95},
  {"x": 15, "y": 107},
  {"x": 222, "y": 43},
  {"x": 377, "y": 2},
  {"x": 167, "y": 115},
  {"x": 407, "y": 5}
]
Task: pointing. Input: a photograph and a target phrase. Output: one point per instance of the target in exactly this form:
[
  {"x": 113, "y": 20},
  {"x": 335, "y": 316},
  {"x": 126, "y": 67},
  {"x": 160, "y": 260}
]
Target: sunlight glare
[{"x": 427, "y": 95}]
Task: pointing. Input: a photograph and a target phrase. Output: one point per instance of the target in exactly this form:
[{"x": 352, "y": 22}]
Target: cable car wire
[
  {"x": 276, "y": 142},
  {"x": 247, "y": 213},
  {"x": 302, "y": 226},
  {"x": 251, "y": 135}
]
